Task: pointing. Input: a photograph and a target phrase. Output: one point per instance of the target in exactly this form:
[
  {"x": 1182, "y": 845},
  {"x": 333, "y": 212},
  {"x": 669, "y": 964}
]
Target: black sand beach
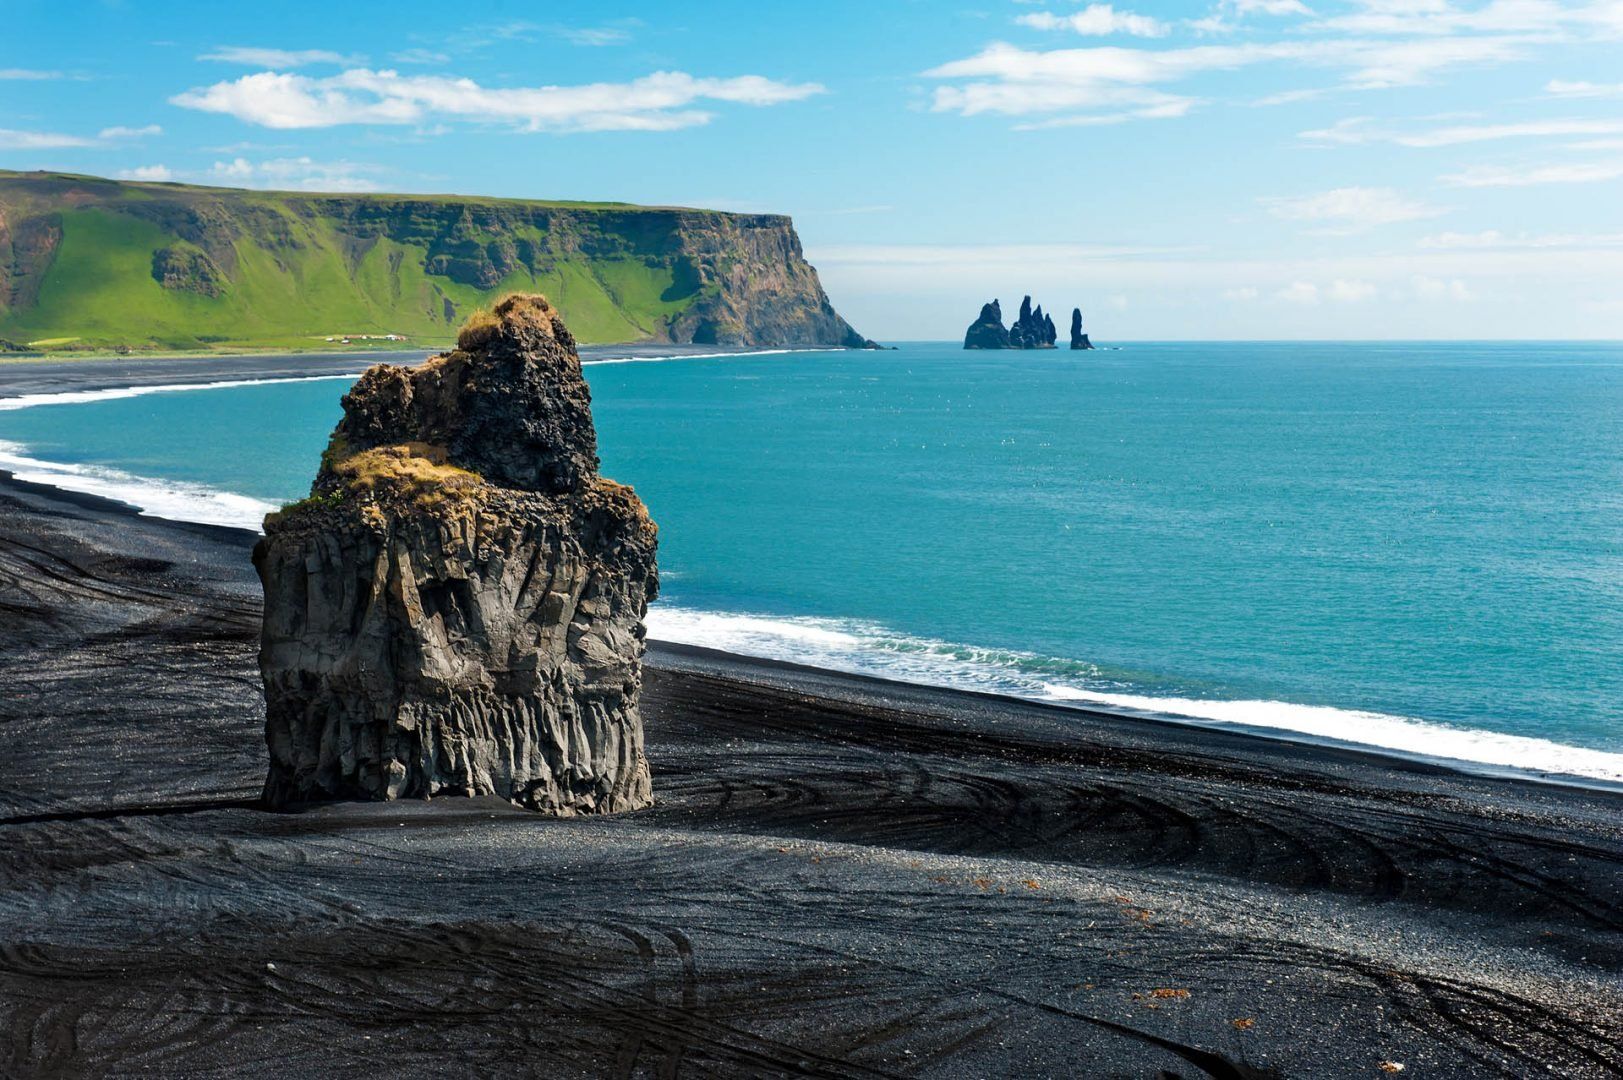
[
  {"x": 57, "y": 375},
  {"x": 840, "y": 877}
]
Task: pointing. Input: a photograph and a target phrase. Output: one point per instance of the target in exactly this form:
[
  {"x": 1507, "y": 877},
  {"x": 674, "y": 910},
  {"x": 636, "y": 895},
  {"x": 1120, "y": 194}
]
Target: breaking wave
[
  {"x": 869, "y": 649},
  {"x": 178, "y": 500}
]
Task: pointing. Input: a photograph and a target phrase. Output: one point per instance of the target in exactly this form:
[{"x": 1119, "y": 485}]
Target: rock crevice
[{"x": 458, "y": 606}]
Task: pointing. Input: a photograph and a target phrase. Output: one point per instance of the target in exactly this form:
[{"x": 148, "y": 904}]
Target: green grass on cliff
[{"x": 297, "y": 269}]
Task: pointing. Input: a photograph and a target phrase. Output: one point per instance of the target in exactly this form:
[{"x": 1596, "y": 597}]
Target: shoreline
[
  {"x": 31, "y": 376},
  {"x": 1150, "y": 723},
  {"x": 1369, "y": 752},
  {"x": 840, "y": 876}
]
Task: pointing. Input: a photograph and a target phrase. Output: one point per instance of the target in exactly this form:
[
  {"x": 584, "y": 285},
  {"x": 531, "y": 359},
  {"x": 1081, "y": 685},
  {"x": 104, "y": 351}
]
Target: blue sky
[{"x": 1228, "y": 169}]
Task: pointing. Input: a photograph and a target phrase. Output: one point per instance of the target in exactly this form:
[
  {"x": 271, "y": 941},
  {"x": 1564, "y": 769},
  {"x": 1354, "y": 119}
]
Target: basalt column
[{"x": 457, "y": 608}]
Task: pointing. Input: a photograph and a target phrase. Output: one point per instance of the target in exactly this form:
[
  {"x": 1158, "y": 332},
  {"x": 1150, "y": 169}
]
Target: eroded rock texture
[
  {"x": 1079, "y": 340},
  {"x": 458, "y": 607},
  {"x": 987, "y": 331},
  {"x": 1031, "y": 330}
]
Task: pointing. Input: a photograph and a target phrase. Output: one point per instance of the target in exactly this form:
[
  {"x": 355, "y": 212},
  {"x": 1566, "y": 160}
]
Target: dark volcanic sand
[
  {"x": 841, "y": 877},
  {"x": 53, "y": 376}
]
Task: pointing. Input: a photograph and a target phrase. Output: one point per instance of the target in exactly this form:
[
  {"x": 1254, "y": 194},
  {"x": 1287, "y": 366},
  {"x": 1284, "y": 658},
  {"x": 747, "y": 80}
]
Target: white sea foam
[
  {"x": 869, "y": 649},
  {"x": 696, "y": 356},
  {"x": 81, "y": 397},
  {"x": 174, "y": 499}
]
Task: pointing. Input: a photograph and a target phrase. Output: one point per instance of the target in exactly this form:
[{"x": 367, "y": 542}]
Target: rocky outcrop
[
  {"x": 1079, "y": 340},
  {"x": 988, "y": 331},
  {"x": 190, "y": 270},
  {"x": 1032, "y": 330},
  {"x": 457, "y": 608}
]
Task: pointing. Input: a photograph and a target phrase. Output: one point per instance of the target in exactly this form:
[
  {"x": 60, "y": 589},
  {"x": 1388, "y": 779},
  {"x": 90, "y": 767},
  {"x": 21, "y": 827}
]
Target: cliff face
[
  {"x": 458, "y": 607},
  {"x": 757, "y": 287},
  {"x": 99, "y": 262}
]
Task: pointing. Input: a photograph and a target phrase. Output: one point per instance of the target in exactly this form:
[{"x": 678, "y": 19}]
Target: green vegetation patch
[{"x": 101, "y": 265}]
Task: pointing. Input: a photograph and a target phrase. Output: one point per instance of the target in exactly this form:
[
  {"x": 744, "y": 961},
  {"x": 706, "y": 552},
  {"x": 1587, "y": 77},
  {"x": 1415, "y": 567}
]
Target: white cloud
[
  {"x": 1008, "y": 80},
  {"x": 1153, "y": 107},
  {"x": 1493, "y": 239},
  {"x": 1097, "y": 20},
  {"x": 594, "y": 37},
  {"x": 1011, "y": 81},
  {"x": 27, "y": 74},
  {"x": 1405, "y": 63},
  {"x": 616, "y": 32},
  {"x": 1339, "y": 291},
  {"x": 659, "y": 102},
  {"x": 1430, "y": 288},
  {"x": 1219, "y": 22},
  {"x": 1357, "y": 130},
  {"x": 11, "y": 139},
  {"x": 420, "y": 56},
  {"x": 147, "y": 172},
  {"x": 40, "y": 140},
  {"x": 278, "y": 59},
  {"x": 1488, "y": 238},
  {"x": 1435, "y": 18},
  {"x": 130, "y": 132},
  {"x": 1271, "y": 7},
  {"x": 1378, "y": 44},
  {"x": 1343, "y": 291},
  {"x": 1351, "y": 209},
  {"x": 1565, "y": 88},
  {"x": 300, "y": 174},
  {"x": 1479, "y": 176},
  {"x": 1308, "y": 294}
]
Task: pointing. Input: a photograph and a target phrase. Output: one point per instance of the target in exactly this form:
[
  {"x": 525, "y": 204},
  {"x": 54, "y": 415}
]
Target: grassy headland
[{"x": 96, "y": 265}]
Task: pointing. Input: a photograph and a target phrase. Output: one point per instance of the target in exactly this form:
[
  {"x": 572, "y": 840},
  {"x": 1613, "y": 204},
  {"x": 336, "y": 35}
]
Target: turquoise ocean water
[{"x": 1415, "y": 546}]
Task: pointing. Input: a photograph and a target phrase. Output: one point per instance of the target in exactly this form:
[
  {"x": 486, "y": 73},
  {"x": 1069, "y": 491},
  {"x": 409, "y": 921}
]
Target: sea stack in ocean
[
  {"x": 458, "y": 607},
  {"x": 1079, "y": 340},
  {"x": 1032, "y": 330},
  {"x": 988, "y": 331}
]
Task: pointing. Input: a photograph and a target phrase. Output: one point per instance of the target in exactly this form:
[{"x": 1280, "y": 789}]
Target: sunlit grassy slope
[{"x": 80, "y": 264}]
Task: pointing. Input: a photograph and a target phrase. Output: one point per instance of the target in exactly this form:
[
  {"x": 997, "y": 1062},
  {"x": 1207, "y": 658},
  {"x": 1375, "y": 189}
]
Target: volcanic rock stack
[
  {"x": 988, "y": 331},
  {"x": 1032, "y": 330},
  {"x": 458, "y": 607},
  {"x": 1079, "y": 340}
]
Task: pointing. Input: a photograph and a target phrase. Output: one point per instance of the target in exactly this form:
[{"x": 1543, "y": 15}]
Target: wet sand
[{"x": 841, "y": 877}]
